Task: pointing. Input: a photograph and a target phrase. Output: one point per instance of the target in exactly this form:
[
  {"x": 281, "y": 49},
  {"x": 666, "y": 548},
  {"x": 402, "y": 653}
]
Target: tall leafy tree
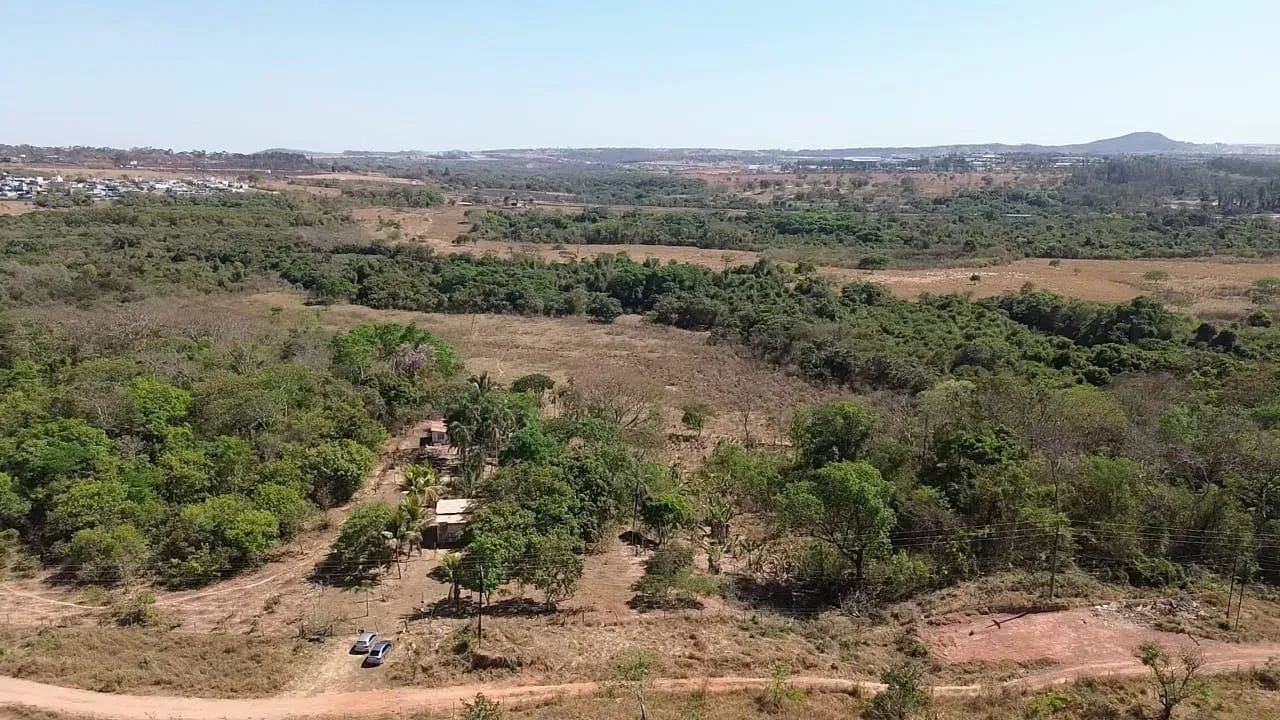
[
  {"x": 479, "y": 423},
  {"x": 832, "y": 432},
  {"x": 361, "y": 546},
  {"x": 845, "y": 504}
]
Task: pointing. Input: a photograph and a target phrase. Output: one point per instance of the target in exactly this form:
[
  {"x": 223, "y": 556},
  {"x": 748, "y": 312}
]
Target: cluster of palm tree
[
  {"x": 421, "y": 488},
  {"x": 478, "y": 425}
]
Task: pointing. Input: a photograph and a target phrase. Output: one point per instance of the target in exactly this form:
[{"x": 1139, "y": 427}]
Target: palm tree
[
  {"x": 451, "y": 569},
  {"x": 422, "y": 482},
  {"x": 478, "y": 426},
  {"x": 411, "y": 518},
  {"x": 392, "y": 540}
]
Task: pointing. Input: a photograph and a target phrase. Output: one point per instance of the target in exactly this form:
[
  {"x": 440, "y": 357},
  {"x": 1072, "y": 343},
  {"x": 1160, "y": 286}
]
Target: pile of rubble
[{"x": 1151, "y": 610}]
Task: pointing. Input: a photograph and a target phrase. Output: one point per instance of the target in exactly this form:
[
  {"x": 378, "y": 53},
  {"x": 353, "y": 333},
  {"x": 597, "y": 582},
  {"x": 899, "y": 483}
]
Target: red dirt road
[{"x": 1219, "y": 659}]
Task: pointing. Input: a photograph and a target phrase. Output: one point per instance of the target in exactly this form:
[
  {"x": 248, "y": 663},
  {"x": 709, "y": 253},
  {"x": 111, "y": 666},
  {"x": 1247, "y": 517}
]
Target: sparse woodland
[{"x": 1023, "y": 432}]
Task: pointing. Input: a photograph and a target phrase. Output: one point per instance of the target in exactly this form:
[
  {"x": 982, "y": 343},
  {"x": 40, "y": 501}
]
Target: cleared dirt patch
[
  {"x": 1067, "y": 638},
  {"x": 147, "y": 662},
  {"x": 16, "y": 207}
]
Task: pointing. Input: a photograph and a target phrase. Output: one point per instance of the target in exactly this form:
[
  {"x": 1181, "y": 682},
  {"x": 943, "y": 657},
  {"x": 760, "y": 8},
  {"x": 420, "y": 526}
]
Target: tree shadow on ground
[
  {"x": 467, "y": 608},
  {"x": 650, "y": 603},
  {"x": 333, "y": 571},
  {"x": 777, "y": 597},
  {"x": 633, "y": 538}
]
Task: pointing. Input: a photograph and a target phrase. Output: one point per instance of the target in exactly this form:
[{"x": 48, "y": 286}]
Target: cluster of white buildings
[{"x": 29, "y": 187}]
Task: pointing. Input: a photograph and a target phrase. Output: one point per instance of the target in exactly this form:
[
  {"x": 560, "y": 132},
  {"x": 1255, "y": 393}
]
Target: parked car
[
  {"x": 365, "y": 642},
  {"x": 378, "y": 653}
]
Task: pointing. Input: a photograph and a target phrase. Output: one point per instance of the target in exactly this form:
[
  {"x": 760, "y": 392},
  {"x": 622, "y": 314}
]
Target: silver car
[
  {"x": 364, "y": 642},
  {"x": 378, "y": 653}
]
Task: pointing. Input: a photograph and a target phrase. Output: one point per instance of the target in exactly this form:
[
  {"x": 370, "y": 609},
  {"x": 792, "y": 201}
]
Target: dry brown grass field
[
  {"x": 667, "y": 364},
  {"x": 151, "y": 662},
  {"x": 364, "y": 177},
  {"x": 1211, "y": 287},
  {"x": 16, "y": 207}
]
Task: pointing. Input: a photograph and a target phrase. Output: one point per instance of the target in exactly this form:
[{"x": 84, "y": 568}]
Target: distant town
[{"x": 55, "y": 189}]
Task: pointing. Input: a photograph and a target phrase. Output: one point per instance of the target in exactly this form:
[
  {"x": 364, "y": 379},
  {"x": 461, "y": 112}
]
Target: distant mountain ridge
[{"x": 1136, "y": 143}]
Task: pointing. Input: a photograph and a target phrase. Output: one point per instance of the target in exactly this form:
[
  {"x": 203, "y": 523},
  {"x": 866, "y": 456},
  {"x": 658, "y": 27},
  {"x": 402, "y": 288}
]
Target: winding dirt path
[{"x": 385, "y": 702}]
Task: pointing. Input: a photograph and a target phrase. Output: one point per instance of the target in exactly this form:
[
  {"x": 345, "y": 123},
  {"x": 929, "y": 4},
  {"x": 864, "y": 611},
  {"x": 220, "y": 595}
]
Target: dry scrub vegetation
[
  {"x": 670, "y": 366},
  {"x": 1217, "y": 288},
  {"x": 685, "y": 645},
  {"x": 150, "y": 661}
]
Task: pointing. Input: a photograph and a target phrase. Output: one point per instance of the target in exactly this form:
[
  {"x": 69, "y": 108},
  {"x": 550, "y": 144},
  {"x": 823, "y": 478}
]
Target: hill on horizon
[{"x": 1135, "y": 143}]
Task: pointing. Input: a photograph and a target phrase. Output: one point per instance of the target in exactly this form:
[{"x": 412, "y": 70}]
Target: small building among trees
[
  {"x": 437, "y": 434},
  {"x": 451, "y": 519}
]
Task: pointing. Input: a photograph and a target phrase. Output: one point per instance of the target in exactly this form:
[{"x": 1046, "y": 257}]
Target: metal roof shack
[
  {"x": 437, "y": 434},
  {"x": 451, "y": 519}
]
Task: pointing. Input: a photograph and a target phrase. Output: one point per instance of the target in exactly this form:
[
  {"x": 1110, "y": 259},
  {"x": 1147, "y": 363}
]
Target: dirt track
[{"x": 385, "y": 702}]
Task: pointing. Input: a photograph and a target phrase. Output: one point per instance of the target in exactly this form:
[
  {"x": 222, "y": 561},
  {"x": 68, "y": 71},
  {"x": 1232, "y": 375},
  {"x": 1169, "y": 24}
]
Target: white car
[
  {"x": 378, "y": 653},
  {"x": 364, "y": 642}
]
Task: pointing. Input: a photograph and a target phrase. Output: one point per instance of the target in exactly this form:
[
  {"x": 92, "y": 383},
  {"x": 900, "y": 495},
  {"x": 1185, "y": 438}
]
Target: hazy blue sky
[{"x": 246, "y": 75}]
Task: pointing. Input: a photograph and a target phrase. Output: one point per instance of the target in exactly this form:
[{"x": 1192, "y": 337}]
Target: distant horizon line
[{"x": 1154, "y": 135}]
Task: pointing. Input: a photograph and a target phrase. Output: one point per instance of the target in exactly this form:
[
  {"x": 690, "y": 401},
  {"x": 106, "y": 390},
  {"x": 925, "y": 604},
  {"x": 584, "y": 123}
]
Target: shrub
[
  {"x": 1154, "y": 571},
  {"x": 536, "y": 383},
  {"x": 904, "y": 575},
  {"x": 1258, "y": 318},
  {"x": 138, "y": 610},
  {"x": 694, "y": 417},
  {"x": 669, "y": 575},
  {"x": 780, "y": 696},
  {"x": 1267, "y": 677},
  {"x": 904, "y": 696},
  {"x": 603, "y": 308},
  {"x": 1049, "y": 704},
  {"x": 482, "y": 708},
  {"x": 107, "y": 556}
]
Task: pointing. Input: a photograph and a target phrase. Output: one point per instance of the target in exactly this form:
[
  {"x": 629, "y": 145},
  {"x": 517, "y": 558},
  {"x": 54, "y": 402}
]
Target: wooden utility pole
[
  {"x": 1053, "y": 568},
  {"x": 1244, "y": 578},
  {"x": 480, "y": 614},
  {"x": 1231, "y": 592},
  {"x": 1057, "y": 532}
]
